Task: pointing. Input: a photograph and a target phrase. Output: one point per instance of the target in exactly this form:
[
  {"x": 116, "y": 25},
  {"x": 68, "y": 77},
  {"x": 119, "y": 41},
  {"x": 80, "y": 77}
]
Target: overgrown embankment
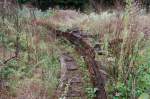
[{"x": 123, "y": 41}]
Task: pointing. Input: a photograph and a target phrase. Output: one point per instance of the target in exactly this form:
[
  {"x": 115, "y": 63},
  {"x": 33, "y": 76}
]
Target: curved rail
[{"x": 84, "y": 49}]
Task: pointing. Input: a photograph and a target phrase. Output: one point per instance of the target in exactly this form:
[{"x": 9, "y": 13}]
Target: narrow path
[
  {"x": 87, "y": 51},
  {"x": 71, "y": 82}
]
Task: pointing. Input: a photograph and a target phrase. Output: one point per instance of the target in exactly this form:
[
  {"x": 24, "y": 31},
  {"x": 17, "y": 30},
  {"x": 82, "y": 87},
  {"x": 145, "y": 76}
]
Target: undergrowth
[
  {"x": 35, "y": 71},
  {"x": 124, "y": 38}
]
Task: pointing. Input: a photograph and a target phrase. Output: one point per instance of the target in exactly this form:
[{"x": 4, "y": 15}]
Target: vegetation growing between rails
[
  {"x": 124, "y": 38},
  {"x": 66, "y": 46}
]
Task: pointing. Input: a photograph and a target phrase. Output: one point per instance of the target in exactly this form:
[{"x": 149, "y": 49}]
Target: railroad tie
[{"x": 71, "y": 82}]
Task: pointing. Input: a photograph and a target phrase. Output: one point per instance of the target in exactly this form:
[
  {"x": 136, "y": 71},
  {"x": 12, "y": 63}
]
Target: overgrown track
[
  {"x": 77, "y": 38},
  {"x": 85, "y": 50},
  {"x": 71, "y": 81}
]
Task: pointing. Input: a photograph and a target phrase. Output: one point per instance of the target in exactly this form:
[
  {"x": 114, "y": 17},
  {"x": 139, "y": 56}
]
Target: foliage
[
  {"x": 144, "y": 96},
  {"x": 37, "y": 61},
  {"x": 82, "y": 4},
  {"x": 45, "y": 4},
  {"x": 125, "y": 62},
  {"x": 23, "y": 1}
]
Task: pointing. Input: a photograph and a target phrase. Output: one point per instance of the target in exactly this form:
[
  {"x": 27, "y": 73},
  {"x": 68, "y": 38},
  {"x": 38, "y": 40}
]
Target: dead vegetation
[{"x": 122, "y": 38}]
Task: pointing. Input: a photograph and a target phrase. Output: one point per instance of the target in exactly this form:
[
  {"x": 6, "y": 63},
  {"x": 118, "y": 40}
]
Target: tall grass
[
  {"x": 34, "y": 72},
  {"x": 124, "y": 37}
]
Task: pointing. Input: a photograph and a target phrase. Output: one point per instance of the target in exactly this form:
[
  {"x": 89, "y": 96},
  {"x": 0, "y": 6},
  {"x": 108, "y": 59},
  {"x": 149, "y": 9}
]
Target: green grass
[
  {"x": 37, "y": 66},
  {"x": 38, "y": 60}
]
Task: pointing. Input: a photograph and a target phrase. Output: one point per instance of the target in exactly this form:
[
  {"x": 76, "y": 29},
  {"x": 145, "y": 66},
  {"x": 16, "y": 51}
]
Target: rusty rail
[
  {"x": 84, "y": 49},
  {"x": 77, "y": 38}
]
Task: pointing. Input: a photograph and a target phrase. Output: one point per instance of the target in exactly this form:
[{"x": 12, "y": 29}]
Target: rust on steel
[
  {"x": 84, "y": 49},
  {"x": 88, "y": 53}
]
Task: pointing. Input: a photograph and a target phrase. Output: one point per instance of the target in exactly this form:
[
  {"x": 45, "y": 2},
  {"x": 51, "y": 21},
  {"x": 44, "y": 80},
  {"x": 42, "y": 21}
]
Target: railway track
[
  {"x": 88, "y": 53},
  {"x": 84, "y": 49},
  {"x": 71, "y": 81}
]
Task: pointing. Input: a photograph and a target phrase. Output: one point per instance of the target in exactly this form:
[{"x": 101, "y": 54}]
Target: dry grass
[
  {"x": 123, "y": 36},
  {"x": 34, "y": 74}
]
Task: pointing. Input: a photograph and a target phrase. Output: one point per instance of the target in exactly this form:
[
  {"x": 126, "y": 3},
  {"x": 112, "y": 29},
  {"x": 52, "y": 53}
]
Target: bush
[{"x": 45, "y": 4}]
